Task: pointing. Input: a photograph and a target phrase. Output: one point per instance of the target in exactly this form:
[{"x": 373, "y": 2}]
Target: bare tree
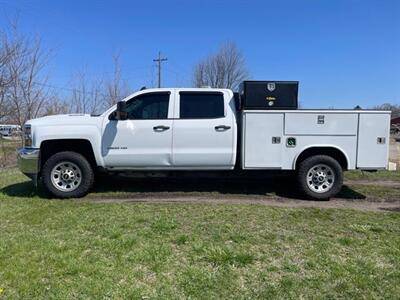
[
  {"x": 24, "y": 91},
  {"x": 95, "y": 95},
  {"x": 56, "y": 106},
  {"x": 28, "y": 92},
  {"x": 4, "y": 83},
  {"x": 395, "y": 108},
  {"x": 224, "y": 69},
  {"x": 87, "y": 95},
  {"x": 115, "y": 87},
  {"x": 9, "y": 50}
]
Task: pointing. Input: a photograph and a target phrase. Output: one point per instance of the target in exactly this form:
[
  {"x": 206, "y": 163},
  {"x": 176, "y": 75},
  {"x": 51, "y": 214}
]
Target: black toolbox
[{"x": 268, "y": 94}]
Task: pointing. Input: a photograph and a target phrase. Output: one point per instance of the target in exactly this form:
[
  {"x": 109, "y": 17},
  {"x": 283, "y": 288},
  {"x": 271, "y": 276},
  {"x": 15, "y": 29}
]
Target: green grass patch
[
  {"x": 379, "y": 175},
  {"x": 380, "y": 193},
  {"x": 78, "y": 249},
  {"x": 374, "y": 193}
]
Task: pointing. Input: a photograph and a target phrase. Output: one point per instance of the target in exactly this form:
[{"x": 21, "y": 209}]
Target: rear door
[{"x": 204, "y": 131}]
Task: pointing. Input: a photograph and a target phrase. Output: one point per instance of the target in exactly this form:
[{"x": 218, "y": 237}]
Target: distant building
[
  {"x": 9, "y": 130},
  {"x": 395, "y": 125}
]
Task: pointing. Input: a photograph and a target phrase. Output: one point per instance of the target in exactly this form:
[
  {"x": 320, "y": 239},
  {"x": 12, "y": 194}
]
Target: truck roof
[{"x": 203, "y": 89}]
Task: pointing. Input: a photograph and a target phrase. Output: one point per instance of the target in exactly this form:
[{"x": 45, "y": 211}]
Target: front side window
[
  {"x": 148, "y": 106},
  {"x": 201, "y": 105}
]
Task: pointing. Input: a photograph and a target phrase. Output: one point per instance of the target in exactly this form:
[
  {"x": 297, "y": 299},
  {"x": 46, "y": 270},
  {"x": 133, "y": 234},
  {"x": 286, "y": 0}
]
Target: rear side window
[{"x": 194, "y": 105}]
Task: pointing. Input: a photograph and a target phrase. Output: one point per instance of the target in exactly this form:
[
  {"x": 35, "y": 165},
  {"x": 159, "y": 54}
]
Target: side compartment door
[
  {"x": 263, "y": 139},
  {"x": 204, "y": 131},
  {"x": 373, "y": 141}
]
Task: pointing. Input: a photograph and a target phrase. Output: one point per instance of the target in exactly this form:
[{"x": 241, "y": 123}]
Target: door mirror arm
[{"x": 121, "y": 112}]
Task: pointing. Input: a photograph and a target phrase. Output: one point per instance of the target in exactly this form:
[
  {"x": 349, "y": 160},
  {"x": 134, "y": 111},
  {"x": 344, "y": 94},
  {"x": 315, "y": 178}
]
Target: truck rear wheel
[
  {"x": 320, "y": 177},
  {"x": 67, "y": 175}
]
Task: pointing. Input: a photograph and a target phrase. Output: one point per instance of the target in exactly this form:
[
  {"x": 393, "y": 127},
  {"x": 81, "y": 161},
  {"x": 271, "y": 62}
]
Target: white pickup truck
[{"x": 172, "y": 130}]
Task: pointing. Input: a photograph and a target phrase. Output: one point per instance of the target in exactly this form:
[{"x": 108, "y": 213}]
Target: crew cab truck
[{"x": 172, "y": 130}]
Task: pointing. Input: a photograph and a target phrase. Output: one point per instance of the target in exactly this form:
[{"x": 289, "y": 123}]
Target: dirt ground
[
  {"x": 278, "y": 193},
  {"x": 270, "y": 201}
]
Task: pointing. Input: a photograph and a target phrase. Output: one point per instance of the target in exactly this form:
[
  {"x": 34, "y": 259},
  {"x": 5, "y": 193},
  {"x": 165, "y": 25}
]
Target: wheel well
[
  {"x": 50, "y": 147},
  {"x": 329, "y": 151}
]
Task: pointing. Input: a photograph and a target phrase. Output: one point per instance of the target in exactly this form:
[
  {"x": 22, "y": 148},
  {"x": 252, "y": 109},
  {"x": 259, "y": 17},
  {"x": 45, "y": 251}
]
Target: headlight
[{"x": 27, "y": 136}]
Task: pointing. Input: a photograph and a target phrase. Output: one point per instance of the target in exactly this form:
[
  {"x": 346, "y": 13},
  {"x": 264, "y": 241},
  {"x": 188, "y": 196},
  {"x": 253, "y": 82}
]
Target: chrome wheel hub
[
  {"x": 320, "y": 178},
  {"x": 66, "y": 176}
]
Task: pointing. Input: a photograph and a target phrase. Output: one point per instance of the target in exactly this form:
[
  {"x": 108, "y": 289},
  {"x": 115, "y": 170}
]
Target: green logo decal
[{"x": 291, "y": 142}]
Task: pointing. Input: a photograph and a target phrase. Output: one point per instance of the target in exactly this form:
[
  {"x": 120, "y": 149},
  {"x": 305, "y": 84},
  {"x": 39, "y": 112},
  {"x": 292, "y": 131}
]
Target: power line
[
  {"x": 77, "y": 90},
  {"x": 159, "y": 60},
  {"x": 66, "y": 89}
]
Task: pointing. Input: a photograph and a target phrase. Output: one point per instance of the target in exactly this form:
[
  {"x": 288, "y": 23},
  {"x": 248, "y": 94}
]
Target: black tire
[
  {"x": 306, "y": 165},
  {"x": 87, "y": 174}
]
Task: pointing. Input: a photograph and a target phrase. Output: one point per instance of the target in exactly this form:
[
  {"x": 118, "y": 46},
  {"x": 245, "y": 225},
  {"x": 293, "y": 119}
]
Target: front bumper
[{"x": 28, "y": 162}]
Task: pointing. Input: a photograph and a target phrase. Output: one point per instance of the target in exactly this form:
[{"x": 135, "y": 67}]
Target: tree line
[
  {"x": 25, "y": 89},
  {"x": 26, "y": 92}
]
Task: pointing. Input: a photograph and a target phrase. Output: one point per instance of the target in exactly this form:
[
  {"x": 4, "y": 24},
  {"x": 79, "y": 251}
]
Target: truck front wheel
[
  {"x": 320, "y": 177},
  {"x": 67, "y": 175}
]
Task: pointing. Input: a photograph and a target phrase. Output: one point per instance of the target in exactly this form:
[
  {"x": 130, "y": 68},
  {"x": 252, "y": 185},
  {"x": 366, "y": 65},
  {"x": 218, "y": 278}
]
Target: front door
[{"x": 144, "y": 140}]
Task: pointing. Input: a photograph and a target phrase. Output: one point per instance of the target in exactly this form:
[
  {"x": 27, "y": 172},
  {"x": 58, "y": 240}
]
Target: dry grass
[{"x": 8, "y": 157}]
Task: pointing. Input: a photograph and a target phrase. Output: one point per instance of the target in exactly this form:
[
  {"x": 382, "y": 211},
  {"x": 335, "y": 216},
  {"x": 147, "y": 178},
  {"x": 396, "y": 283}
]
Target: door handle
[
  {"x": 160, "y": 128},
  {"x": 222, "y": 127}
]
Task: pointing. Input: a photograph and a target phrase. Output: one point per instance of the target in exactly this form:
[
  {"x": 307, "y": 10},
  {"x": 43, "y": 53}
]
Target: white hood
[{"x": 60, "y": 120}]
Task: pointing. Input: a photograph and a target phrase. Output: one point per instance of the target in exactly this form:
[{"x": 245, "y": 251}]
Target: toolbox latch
[
  {"x": 381, "y": 140},
  {"x": 276, "y": 140}
]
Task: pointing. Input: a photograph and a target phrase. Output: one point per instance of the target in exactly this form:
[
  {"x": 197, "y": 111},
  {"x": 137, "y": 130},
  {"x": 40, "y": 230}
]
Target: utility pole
[{"x": 159, "y": 60}]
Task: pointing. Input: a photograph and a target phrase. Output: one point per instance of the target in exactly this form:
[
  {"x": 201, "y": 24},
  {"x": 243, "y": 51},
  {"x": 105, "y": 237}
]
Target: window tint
[
  {"x": 199, "y": 105},
  {"x": 148, "y": 106}
]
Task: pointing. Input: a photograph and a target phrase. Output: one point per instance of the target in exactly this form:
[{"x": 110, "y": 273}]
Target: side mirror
[{"x": 121, "y": 113}]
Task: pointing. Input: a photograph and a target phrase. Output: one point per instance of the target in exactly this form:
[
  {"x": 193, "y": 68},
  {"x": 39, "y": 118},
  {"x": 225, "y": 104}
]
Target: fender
[
  {"x": 321, "y": 146},
  {"x": 83, "y": 132}
]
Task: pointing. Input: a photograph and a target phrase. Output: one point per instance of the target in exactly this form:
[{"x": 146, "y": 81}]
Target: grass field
[
  {"x": 81, "y": 249},
  {"x": 380, "y": 175},
  {"x": 7, "y": 152}
]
